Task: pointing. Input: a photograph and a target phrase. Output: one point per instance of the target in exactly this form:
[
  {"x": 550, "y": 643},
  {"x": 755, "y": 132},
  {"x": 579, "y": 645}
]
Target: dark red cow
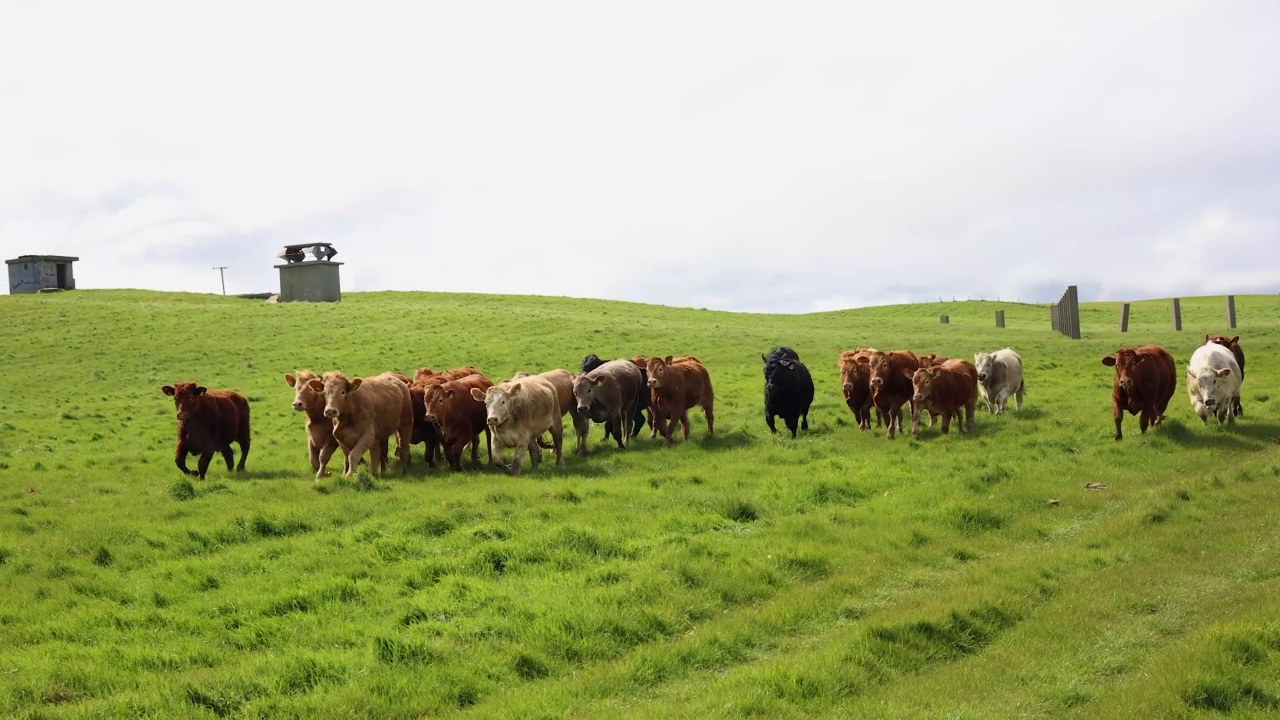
[
  {"x": 459, "y": 419},
  {"x": 675, "y": 386},
  {"x": 944, "y": 389},
  {"x": 208, "y": 422},
  {"x": 889, "y": 387},
  {"x": 855, "y": 382},
  {"x": 1232, "y": 344},
  {"x": 1145, "y": 380},
  {"x": 423, "y": 431}
]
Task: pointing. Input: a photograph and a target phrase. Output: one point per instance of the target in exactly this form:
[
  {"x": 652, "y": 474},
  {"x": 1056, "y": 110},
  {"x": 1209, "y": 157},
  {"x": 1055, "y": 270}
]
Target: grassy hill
[{"x": 839, "y": 574}]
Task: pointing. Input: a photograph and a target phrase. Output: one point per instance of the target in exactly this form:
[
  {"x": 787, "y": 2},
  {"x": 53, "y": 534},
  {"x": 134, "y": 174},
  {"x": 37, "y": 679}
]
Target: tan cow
[
  {"x": 366, "y": 412},
  {"x": 517, "y": 412},
  {"x": 562, "y": 380},
  {"x": 320, "y": 441}
]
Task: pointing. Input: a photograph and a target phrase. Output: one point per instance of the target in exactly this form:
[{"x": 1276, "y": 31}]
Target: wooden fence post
[
  {"x": 1053, "y": 317},
  {"x": 1073, "y": 310},
  {"x": 1124, "y": 317},
  {"x": 945, "y": 319},
  {"x": 1231, "y": 311},
  {"x": 1000, "y": 319},
  {"x": 1175, "y": 308}
]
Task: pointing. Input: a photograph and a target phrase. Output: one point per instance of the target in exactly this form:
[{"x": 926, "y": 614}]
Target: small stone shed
[
  {"x": 314, "y": 280},
  {"x": 34, "y": 273}
]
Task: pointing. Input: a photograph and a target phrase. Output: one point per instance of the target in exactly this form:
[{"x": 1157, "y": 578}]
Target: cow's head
[
  {"x": 1223, "y": 340},
  {"x": 587, "y": 390},
  {"x": 657, "y": 369},
  {"x": 337, "y": 390},
  {"x": 497, "y": 401},
  {"x": 932, "y": 359},
  {"x": 1212, "y": 384},
  {"x": 434, "y": 398},
  {"x": 186, "y": 397},
  {"x": 591, "y": 362},
  {"x": 922, "y": 381},
  {"x": 303, "y": 394},
  {"x": 985, "y": 364},
  {"x": 776, "y": 369},
  {"x": 1128, "y": 364},
  {"x": 878, "y": 367}
]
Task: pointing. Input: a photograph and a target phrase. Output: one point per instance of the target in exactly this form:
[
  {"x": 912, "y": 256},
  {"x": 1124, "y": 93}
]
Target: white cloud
[{"x": 728, "y": 155}]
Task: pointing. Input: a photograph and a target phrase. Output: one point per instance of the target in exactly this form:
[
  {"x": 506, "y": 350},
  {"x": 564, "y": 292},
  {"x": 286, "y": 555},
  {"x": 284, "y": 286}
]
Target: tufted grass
[{"x": 839, "y": 574}]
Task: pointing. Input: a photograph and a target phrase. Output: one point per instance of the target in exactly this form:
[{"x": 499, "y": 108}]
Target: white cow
[
  {"x": 1213, "y": 382},
  {"x": 999, "y": 376}
]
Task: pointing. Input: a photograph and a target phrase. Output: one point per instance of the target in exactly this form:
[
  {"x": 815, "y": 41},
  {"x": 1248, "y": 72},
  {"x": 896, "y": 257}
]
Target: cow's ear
[
  {"x": 862, "y": 360},
  {"x": 1140, "y": 359},
  {"x": 449, "y": 393},
  {"x": 515, "y": 389},
  {"x": 354, "y": 384},
  {"x": 293, "y": 381},
  {"x": 908, "y": 373},
  {"x": 1223, "y": 372},
  {"x": 1233, "y": 341},
  {"x": 666, "y": 360},
  {"x": 477, "y": 394},
  {"x": 765, "y": 359},
  {"x": 935, "y": 370},
  {"x": 315, "y": 385},
  {"x": 167, "y": 390},
  {"x": 1109, "y": 361},
  {"x": 597, "y": 381},
  {"x": 200, "y": 391},
  {"x": 792, "y": 365}
]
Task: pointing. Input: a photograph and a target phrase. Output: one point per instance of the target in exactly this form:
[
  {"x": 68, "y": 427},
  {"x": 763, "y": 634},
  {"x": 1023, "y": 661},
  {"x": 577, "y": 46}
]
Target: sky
[{"x": 766, "y": 157}]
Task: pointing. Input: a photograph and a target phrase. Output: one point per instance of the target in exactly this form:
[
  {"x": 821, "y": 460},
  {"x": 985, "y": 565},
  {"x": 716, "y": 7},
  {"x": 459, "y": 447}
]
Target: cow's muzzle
[
  {"x": 1210, "y": 402},
  {"x": 982, "y": 377},
  {"x": 298, "y": 406},
  {"x": 330, "y": 413}
]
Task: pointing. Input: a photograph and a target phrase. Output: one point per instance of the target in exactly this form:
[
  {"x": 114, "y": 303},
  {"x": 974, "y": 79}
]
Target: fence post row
[{"x": 1065, "y": 314}]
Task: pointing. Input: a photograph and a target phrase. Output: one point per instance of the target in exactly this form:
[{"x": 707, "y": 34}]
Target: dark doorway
[{"x": 62, "y": 276}]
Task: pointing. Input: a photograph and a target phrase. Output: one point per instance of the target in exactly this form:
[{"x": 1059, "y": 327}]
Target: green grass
[{"x": 839, "y": 574}]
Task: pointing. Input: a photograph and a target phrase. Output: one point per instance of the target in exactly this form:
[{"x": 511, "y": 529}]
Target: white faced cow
[
  {"x": 1213, "y": 383},
  {"x": 999, "y": 376}
]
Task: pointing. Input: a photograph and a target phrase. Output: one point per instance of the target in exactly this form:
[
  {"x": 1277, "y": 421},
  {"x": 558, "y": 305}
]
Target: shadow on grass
[
  {"x": 266, "y": 474},
  {"x": 1241, "y": 435},
  {"x": 734, "y": 439}
]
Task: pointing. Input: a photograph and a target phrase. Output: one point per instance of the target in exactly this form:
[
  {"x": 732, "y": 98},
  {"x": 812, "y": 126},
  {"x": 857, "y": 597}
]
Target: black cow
[
  {"x": 591, "y": 362},
  {"x": 788, "y": 389}
]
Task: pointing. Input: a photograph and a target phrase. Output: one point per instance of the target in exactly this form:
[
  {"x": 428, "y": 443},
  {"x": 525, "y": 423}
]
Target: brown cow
[
  {"x": 855, "y": 381},
  {"x": 946, "y": 388},
  {"x": 677, "y": 385},
  {"x": 366, "y": 412},
  {"x": 609, "y": 394},
  {"x": 320, "y": 441},
  {"x": 208, "y": 422},
  {"x": 423, "y": 431},
  {"x": 1145, "y": 380},
  {"x": 932, "y": 359},
  {"x": 889, "y": 387},
  {"x": 459, "y": 419},
  {"x": 1232, "y": 344}
]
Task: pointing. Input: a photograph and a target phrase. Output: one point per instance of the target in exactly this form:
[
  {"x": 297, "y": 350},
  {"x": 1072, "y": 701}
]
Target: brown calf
[
  {"x": 459, "y": 419},
  {"x": 675, "y": 386},
  {"x": 1146, "y": 377},
  {"x": 208, "y": 422},
  {"x": 855, "y": 382},
  {"x": 944, "y": 389},
  {"x": 320, "y": 441}
]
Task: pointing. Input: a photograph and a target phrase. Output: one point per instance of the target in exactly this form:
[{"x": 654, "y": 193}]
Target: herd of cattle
[{"x": 449, "y": 410}]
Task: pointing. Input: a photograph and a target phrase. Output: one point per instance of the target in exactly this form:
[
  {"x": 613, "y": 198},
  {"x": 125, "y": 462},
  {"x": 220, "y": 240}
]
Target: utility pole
[{"x": 222, "y": 277}]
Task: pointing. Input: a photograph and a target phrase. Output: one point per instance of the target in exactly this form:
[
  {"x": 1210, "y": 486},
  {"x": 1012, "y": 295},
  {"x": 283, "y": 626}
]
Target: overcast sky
[{"x": 782, "y": 157}]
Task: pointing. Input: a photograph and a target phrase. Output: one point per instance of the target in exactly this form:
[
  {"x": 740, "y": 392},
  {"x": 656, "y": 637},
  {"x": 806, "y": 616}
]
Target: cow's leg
[
  {"x": 244, "y": 448},
  {"x": 946, "y": 422},
  {"x": 792, "y": 422},
  {"x": 557, "y": 442},
  {"x": 356, "y": 454},
  {"x": 203, "y": 464},
  {"x": 804, "y": 423},
  {"x": 313, "y": 450},
  {"x": 180, "y": 459},
  {"x": 228, "y": 456},
  {"x": 617, "y": 436},
  {"x": 1144, "y": 420},
  {"x": 708, "y": 412},
  {"x": 627, "y": 427},
  {"x": 915, "y": 422},
  {"x": 580, "y": 427},
  {"x": 768, "y": 420},
  {"x": 517, "y": 458},
  {"x": 1119, "y": 418},
  {"x": 326, "y": 452},
  {"x": 1018, "y": 396},
  {"x": 986, "y": 398},
  {"x": 970, "y": 408}
]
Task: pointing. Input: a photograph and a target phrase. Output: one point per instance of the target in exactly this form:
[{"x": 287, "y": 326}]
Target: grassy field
[{"x": 839, "y": 574}]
